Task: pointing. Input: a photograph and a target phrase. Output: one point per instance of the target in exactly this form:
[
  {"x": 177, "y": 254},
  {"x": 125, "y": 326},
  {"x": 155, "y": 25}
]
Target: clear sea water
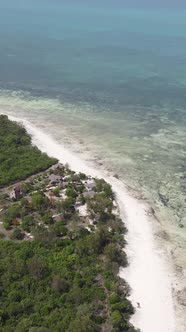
[{"x": 107, "y": 78}]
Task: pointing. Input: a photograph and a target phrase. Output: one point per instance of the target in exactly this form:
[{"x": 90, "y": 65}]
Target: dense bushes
[
  {"x": 18, "y": 158},
  {"x": 60, "y": 285},
  {"x": 64, "y": 278}
]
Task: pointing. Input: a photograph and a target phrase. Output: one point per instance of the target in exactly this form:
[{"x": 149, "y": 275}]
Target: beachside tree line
[
  {"x": 64, "y": 277},
  {"x": 18, "y": 158}
]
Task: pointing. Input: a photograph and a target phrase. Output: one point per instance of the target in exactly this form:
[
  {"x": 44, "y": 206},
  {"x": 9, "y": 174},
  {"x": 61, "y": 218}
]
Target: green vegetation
[
  {"x": 18, "y": 158},
  {"x": 27, "y": 223},
  {"x": 62, "y": 284},
  {"x": 58, "y": 268}
]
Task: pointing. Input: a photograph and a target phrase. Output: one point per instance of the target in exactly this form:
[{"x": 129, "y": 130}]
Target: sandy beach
[
  {"x": 149, "y": 274},
  {"x": 100, "y": 85}
]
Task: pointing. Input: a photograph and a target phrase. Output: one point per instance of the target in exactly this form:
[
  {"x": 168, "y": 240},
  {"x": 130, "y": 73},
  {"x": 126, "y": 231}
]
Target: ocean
[{"x": 107, "y": 79}]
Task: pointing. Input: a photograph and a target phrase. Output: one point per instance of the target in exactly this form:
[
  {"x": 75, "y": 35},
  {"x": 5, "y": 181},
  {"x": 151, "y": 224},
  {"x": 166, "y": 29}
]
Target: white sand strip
[{"x": 148, "y": 274}]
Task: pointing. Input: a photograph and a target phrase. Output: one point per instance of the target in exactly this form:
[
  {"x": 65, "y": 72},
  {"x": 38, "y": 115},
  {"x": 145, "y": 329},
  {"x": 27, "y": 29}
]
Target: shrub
[
  {"x": 59, "y": 229},
  {"x": 39, "y": 201},
  {"x": 6, "y": 224},
  {"x": 68, "y": 204},
  {"x": 47, "y": 219},
  {"x": 82, "y": 176},
  {"x": 14, "y": 211},
  {"x": 117, "y": 318},
  {"x": 113, "y": 298},
  {"x": 19, "y": 158},
  {"x": 123, "y": 306},
  {"x": 36, "y": 268},
  {"x": 71, "y": 193},
  {"x": 56, "y": 191},
  {"x": 83, "y": 324},
  {"x": 39, "y": 329},
  {"x": 17, "y": 235},
  {"x": 27, "y": 223}
]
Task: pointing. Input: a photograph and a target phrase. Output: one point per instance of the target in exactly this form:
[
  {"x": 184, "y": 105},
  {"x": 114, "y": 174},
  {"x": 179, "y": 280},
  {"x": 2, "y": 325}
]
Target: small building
[
  {"x": 90, "y": 185},
  {"x": 16, "y": 193},
  {"x": 55, "y": 179},
  {"x": 12, "y": 194},
  {"x": 89, "y": 194},
  {"x": 63, "y": 184}
]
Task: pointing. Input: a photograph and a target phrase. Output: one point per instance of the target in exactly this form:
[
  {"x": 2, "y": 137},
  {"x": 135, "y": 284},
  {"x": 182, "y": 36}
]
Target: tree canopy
[
  {"x": 18, "y": 157},
  {"x": 58, "y": 271}
]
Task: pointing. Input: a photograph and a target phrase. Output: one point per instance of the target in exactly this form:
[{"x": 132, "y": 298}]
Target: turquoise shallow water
[{"x": 107, "y": 78}]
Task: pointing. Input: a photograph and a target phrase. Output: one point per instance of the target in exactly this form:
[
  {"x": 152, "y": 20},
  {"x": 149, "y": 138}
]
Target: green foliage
[
  {"x": 56, "y": 191},
  {"x": 82, "y": 199},
  {"x": 17, "y": 235},
  {"x": 27, "y": 223},
  {"x": 68, "y": 204},
  {"x": 83, "y": 324},
  {"x": 39, "y": 201},
  {"x": 47, "y": 219},
  {"x": 117, "y": 319},
  {"x": 24, "y": 202},
  {"x": 39, "y": 329},
  {"x": 18, "y": 158},
  {"x": 115, "y": 254},
  {"x": 59, "y": 229},
  {"x": 36, "y": 267},
  {"x": 123, "y": 306},
  {"x": 6, "y": 224},
  {"x": 104, "y": 187},
  {"x": 71, "y": 193},
  {"x": 14, "y": 211},
  {"x": 58, "y": 285},
  {"x": 66, "y": 278},
  {"x": 82, "y": 176},
  {"x": 101, "y": 207},
  {"x": 114, "y": 298}
]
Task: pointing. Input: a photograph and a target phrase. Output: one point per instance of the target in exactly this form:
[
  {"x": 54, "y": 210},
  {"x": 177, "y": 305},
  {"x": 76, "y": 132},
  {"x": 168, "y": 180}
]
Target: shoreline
[{"x": 152, "y": 288}]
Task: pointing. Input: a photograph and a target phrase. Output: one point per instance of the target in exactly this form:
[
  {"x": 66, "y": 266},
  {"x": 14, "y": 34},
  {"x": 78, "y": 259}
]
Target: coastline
[{"x": 152, "y": 286}]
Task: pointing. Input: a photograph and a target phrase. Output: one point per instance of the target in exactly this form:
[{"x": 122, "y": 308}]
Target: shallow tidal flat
[{"x": 144, "y": 146}]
